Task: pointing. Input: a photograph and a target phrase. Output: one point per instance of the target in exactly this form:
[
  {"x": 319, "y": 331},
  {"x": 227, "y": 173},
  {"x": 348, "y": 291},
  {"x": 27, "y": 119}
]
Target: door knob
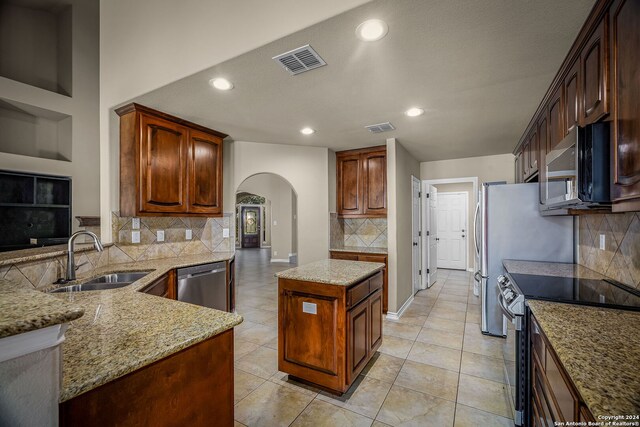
[
  {"x": 463, "y": 236},
  {"x": 437, "y": 239},
  {"x": 415, "y": 244},
  {"x": 462, "y": 230}
]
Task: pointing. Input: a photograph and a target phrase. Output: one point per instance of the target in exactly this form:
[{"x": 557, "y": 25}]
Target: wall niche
[
  {"x": 35, "y": 43},
  {"x": 35, "y": 132}
]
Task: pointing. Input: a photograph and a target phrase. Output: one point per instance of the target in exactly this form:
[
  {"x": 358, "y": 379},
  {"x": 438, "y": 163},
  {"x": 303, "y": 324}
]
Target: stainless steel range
[{"x": 558, "y": 282}]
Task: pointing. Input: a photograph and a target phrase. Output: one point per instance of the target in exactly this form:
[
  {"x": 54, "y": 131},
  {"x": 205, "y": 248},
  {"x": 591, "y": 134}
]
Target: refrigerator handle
[{"x": 475, "y": 228}]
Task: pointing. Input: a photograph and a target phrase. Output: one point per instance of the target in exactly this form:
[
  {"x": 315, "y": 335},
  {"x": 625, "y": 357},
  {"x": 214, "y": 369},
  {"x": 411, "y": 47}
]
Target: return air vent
[
  {"x": 380, "y": 127},
  {"x": 299, "y": 60}
]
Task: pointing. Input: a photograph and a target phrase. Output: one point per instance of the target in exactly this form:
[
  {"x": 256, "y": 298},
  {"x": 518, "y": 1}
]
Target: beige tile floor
[{"x": 434, "y": 368}]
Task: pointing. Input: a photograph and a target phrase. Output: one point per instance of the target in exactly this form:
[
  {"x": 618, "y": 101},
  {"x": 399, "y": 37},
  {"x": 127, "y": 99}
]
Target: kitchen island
[{"x": 329, "y": 321}]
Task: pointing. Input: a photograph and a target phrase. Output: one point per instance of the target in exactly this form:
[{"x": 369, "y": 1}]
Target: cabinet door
[
  {"x": 594, "y": 67},
  {"x": 350, "y": 186},
  {"x": 385, "y": 276},
  {"x": 375, "y": 315},
  {"x": 358, "y": 334},
  {"x": 519, "y": 178},
  {"x": 164, "y": 287},
  {"x": 543, "y": 147},
  {"x": 163, "y": 169},
  {"x": 625, "y": 34},
  {"x": 375, "y": 183},
  {"x": 525, "y": 159},
  {"x": 205, "y": 173},
  {"x": 556, "y": 128},
  {"x": 571, "y": 96},
  {"x": 534, "y": 151}
]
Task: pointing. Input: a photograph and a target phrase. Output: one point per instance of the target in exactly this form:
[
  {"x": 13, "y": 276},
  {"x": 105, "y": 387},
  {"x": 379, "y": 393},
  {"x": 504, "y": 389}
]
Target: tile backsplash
[
  {"x": 358, "y": 232},
  {"x": 620, "y": 259}
]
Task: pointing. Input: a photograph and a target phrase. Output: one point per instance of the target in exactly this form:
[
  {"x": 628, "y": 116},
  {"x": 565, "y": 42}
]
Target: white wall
[
  {"x": 306, "y": 169},
  {"x": 487, "y": 168},
  {"x": 83, "y": 107},
  {"x": 279, "y": 193},
  {"x": 400, "y": 167}
]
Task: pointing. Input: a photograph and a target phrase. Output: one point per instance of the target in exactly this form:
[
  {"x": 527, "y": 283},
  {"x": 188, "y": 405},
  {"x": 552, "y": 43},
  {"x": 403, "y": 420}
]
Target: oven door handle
[{"x": 505, "y": 309}]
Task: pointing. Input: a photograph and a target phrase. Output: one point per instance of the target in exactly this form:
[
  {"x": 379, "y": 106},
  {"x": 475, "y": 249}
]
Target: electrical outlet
[
  {"x": 135, "y": 223},
  {"x": 160, "y": 235},
  {"x": 188, "y": 234},
  {"x": 602, "y": 241},
  {"x": 275, "y": 253},
  {"x": 135, "y": 237},
  {"x": 275, "y": 222},
  {"x": 225, "y": 232}
]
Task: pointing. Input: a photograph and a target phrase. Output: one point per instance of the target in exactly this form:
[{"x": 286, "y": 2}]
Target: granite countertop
[
  {"x": 332, "y": 272},
  {"x": 555, "y": 269},
  {"x": 360, "y": 250},
  {"x": 24, "y": 310},
  {"x": 35, "y": 254},
  {"x": 122, "y": 329},
  {"x": 600, "y": 350}
]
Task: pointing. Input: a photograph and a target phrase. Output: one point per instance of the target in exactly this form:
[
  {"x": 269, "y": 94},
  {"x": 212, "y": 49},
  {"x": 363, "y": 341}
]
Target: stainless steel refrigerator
[{"x": 509, "y": 226}]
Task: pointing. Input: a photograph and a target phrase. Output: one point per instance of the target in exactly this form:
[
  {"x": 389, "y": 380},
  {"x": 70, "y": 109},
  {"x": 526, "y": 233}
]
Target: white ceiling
[{"x": 478, "y": 68}]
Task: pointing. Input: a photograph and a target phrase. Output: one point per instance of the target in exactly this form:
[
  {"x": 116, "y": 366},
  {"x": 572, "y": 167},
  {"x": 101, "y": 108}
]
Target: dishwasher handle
[{"x": 202, "y": 273}]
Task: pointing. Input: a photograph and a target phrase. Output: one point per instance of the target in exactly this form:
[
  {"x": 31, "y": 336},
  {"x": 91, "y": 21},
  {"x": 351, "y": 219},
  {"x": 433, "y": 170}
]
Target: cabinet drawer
[
  {"x": 375, "y": 282},
  {"x": 357, "y": 293},
  {"x": 565, "y": 401},
  {"x": 341, "y": 255}
]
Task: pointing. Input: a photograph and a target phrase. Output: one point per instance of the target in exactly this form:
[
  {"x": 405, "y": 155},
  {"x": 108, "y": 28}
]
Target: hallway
[{"x": 434, "y": 368}]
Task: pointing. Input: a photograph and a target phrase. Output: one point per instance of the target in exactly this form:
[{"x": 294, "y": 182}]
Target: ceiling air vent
[
  {"x": 380, "y": 127},
  {"x": 299, "y": 60}
]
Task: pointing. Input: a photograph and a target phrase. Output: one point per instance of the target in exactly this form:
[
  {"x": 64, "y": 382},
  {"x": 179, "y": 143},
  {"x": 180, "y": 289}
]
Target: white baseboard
[
  {"x": 470, "y": 269},
  {"x": 279, "y": 260},
  {"x": 396, "y": 316}
]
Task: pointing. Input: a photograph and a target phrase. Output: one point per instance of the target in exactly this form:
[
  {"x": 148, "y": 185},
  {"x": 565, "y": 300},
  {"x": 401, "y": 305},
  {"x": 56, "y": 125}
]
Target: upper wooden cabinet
[
  {"x": 625, "y": 54},
  {"x": 598, "y": 81},
  {"x": 361, "y": 181},
  {"x": 594, "y": 68},
  {"x": 168, "y": 166}
]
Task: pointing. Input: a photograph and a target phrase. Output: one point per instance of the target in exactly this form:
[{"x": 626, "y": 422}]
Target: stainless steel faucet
[{"x": 71, "y": 263}]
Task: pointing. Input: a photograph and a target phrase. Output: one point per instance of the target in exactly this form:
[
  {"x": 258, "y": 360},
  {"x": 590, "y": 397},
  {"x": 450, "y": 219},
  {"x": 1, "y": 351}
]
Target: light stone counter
[
  {"x": 122, "y": 329},
  {"x": 332, "y": 272},
  {"x": 369, "y": 250},
  {"x": 600, "y": 350}
]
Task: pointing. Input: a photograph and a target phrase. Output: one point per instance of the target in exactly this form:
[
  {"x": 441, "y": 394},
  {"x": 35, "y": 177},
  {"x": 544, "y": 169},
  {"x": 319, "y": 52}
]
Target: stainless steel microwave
[{"x": 578, "y": 171}]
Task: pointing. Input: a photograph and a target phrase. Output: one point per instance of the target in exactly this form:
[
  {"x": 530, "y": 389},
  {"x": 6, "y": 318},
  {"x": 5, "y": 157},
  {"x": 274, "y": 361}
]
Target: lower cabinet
[
  {"x": 554, "y": 398},
  {"x": 328, "y": 333},
  {"x": 165, "y": 286},
  {"x": 193, "y": 387},
  {"x": 368, "y": 257}
]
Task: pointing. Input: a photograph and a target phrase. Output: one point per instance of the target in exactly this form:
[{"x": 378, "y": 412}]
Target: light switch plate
[
  {"x": 135, "y": 223},
  {"x": 188, "y": 234},
  {"x": 135, "y": 237},
  {"x": 309, "y": 307},
  {"x": 160, "y": 235},
  {"x": 602, "y": 241},
  {"x": 225, "y": 232},
  {"x": 275, "y": 222}
]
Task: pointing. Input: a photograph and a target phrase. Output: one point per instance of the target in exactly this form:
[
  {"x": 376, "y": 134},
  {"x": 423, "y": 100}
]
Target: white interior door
[
  {"x": 452, "y": 230},
  {"x": 415, "y": 233},
  {"x": 430, "y": 236}
]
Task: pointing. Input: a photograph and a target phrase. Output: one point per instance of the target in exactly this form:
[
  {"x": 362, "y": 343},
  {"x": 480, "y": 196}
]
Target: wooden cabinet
[
  {"x": 328, "y": 333},
  {"x": 554, "y": 398},
  {"x": 519, "y": 167},
  {"x": 625, "y": 56},
  {"x": 594, "y": 68},
  {"x": 191, "y": 387},
  {"x": 168, "y": 166},
  {"x": 165, "y": 286},
  {"x": 361, "y": 183},
  {"x": 369, "y": 257},
  {"x": 571, "y": 95},
  {"x": 555, "y": 117}
]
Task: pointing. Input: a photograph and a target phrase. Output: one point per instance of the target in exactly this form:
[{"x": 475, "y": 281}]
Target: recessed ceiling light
[
  {"x": 372, "y": 30},
  {"x": 221, "y": 84},
  {"x": 307, "y": 131},
  {"x": 413, "y": 112}
]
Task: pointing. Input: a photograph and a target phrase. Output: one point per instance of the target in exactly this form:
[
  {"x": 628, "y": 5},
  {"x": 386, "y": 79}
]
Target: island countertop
[
  {"x": 122, "y": 329},
  {"x": 360, "y": 250},
  {"x": 332, "y": 272},
  {"x": 600, "y": 350}
]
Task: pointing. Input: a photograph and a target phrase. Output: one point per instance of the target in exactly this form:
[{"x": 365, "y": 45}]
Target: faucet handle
[{"x": 80, "y": 265}]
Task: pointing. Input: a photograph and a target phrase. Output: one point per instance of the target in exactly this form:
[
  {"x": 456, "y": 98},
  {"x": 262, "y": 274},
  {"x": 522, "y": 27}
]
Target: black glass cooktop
[{"x": 578, "y": 291}]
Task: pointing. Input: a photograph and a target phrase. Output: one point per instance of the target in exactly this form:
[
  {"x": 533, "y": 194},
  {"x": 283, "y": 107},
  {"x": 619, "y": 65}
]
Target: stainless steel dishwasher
[{"x": 205, "y": 285}]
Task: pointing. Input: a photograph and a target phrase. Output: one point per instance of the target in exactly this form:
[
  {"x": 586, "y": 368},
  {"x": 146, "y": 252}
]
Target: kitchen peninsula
[{"x": 329, "y": 321}]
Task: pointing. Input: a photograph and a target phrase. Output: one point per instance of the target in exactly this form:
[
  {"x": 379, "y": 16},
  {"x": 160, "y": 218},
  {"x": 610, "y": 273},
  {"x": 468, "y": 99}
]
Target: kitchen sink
[{"x": 107, "y": 281}]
